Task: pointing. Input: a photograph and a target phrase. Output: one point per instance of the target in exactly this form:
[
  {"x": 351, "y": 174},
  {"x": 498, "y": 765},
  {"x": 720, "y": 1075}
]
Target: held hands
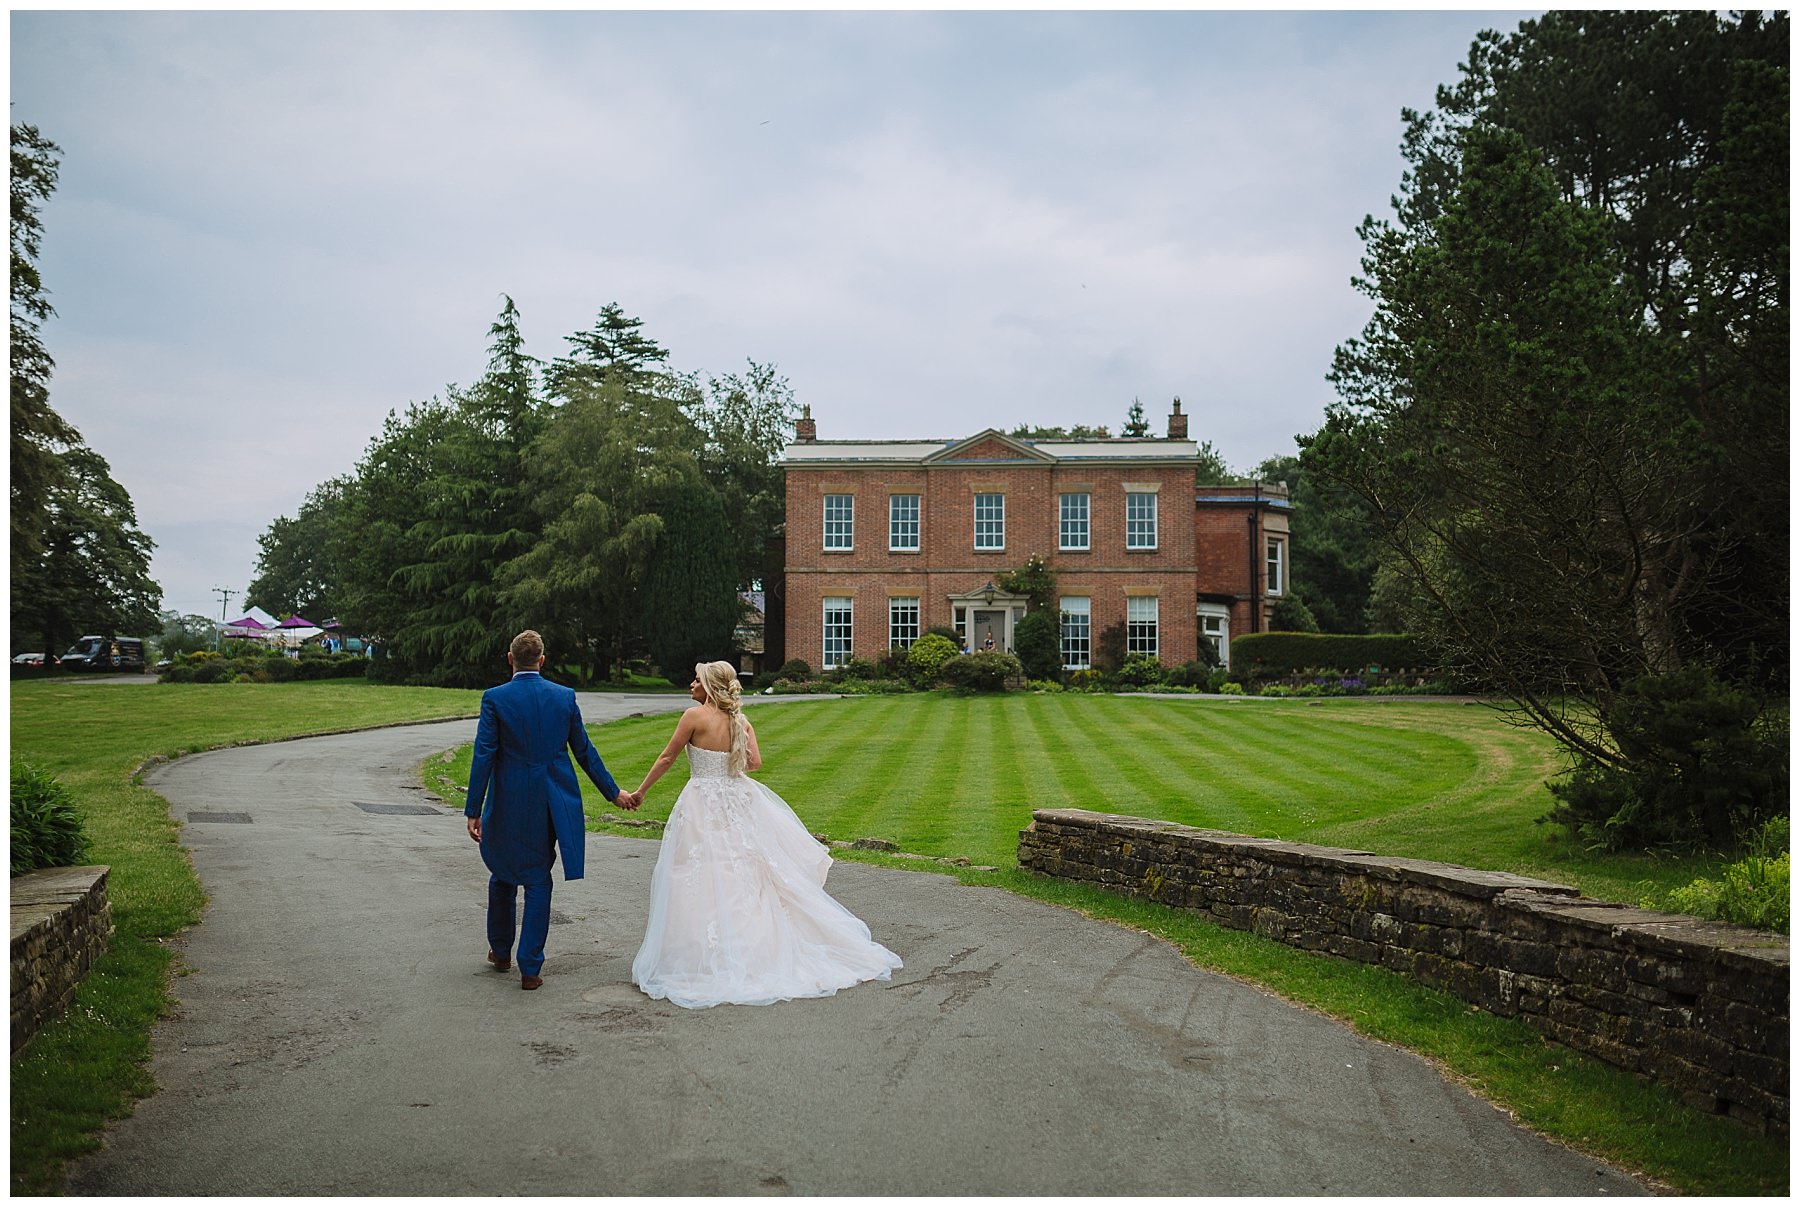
[{"x": 629, "y": 800}]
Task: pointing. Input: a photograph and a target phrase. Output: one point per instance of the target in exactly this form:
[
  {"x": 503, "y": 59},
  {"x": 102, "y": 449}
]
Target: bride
[{"x": 738, "y": 907}]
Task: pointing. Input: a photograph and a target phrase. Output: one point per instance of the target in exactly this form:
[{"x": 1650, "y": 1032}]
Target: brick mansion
[{"x": 887, "y": 538}]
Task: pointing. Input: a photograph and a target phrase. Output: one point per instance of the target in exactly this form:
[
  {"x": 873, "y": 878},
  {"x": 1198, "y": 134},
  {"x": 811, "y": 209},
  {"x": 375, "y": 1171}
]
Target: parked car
[
  {"x": 97, "y": 653},
  {"x": 28, "y": 660}
]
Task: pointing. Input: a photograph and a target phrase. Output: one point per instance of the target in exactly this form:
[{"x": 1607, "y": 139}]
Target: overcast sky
[{"x": 271, "y": 229}]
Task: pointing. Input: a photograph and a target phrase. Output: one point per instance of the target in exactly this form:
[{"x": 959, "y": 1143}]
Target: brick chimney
[
  {"x": 806, "y": 431},
  {"x": 1178, "y": 422}
]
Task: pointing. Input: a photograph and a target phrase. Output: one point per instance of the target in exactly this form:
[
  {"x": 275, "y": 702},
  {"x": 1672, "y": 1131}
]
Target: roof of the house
[{"x": 1011, "y": 449}]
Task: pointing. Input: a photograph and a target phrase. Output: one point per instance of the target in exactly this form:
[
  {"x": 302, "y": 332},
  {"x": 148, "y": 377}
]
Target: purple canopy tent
[
  {"x": 248, "y": 626},
  {"x": 293, "y": 632}
]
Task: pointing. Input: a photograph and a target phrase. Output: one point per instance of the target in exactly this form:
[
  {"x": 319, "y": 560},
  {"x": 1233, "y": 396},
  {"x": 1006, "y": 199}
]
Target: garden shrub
[
  {"x": 891, "y": 664},
  {"x": 46, "y": 827},
  {"x": 795, "y": 671},
  {"x": 176, "y": 673},
  {"x": 864, "y": 687},
  {"x": 1750, "y": 892},
  {"x": 1088, "y": 679},
  {"x": 1037, "y": 640},
  {"x": 1109, "y": 647},
  {"x": 1700, "y": 766},
  {"x": 1189, "y": 674},
  {"x": 1228, "y": 688},
  {"x": 928, "y": 656},
  {"x": 214, "y": 670},
  {"x": 1044, "y": 685},
  {"x": 982, "y": 671},
  {"x": 279, "y": 669},
  {"x": 1139, "y": 670},
  {"x": 946, "y": 631},
  {"x": 1289, "y": 614},
  {"x": 852, "y": 668}
]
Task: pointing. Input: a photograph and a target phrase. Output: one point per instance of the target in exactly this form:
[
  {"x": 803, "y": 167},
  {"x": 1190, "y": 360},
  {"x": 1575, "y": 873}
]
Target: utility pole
[{"x": 224, "y": 594}]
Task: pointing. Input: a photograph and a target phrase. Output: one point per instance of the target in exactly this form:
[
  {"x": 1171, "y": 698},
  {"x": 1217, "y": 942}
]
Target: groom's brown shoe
[
  {"x": 499, "y": 964},
  {"x": 530, "y": 982}
]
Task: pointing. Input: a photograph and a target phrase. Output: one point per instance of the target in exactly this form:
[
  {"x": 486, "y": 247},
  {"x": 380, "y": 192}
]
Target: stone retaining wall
[
  {"x": 61, "y": 919},
  {"x": 1700, "y": 1006}
]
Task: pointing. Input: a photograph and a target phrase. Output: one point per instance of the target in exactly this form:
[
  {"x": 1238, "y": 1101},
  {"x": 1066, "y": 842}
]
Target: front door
[{"x": 987, "y": 631}]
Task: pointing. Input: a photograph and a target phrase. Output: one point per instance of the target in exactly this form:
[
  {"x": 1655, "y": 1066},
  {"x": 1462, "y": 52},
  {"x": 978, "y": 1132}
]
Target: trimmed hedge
[
  {"x": 208, "y": 667},
  {"x": 1269, "y": 655}
]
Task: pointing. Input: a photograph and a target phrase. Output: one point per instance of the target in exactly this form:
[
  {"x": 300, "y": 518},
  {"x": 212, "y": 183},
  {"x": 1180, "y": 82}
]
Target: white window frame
[
  {"x": 1066, "y": 523},
  {"x": 1143, "y": 634},
  {"x": 898, "y": 607},
  {"x": 843, "y": 526},
  {"x": 1140, "y": 527},
  {"x": 1076, "y": 632},
  {"x": 843, "y": 627},
  {"x": 1215, "y": 625},
  {"x": 900, "y": 525},
  {"x": 995, "y": 520},
  {"x": 1275, "y": 565}
]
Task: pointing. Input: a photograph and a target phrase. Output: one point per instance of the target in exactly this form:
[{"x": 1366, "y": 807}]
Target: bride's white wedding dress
[{"x": 738, "y": 907}]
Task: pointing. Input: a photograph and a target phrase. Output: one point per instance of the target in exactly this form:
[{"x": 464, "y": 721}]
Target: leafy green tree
[
  {"x": 94, "y": 576},
  {"x": 297, "y": 567},
  {"x": 477, "y": 516},
  {"x": 613, "y": 349},
  {"x": 39, "y": 434},
  {"x": 1500, "y": 422},
  {"x": 1135, "y": 423},
  {"x": 1581, "y": 319},
  {"x": 1037, "y": 640},
  {"x": 745, "y": 420},
  {"x": 689, "y": 593},
  {"x": 1333, "y": 545},
  {"x": 606, "y": 459},
  {"x": 374, "y": 534},
  {"x": 184, "y": 634},
  {"x": 1684, "y": 150},
  {"x": 1211, "y": 469}
]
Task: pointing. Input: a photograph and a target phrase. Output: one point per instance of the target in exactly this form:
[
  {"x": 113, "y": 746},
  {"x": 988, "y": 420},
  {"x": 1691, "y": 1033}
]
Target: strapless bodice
[{"x": 708, "y": 764}]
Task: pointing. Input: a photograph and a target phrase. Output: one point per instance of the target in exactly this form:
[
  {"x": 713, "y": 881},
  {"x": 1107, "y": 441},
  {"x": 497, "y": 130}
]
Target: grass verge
[
  {"x": 87, "y": 1066},
  {"x": 945, "y": 775}
]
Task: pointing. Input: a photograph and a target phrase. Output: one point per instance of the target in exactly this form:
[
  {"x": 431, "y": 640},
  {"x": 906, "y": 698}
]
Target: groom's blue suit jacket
[{"x": 522, "y": 771}]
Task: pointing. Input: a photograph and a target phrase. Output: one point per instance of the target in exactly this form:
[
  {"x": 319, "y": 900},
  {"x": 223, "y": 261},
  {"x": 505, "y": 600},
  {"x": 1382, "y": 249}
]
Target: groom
[{"x": 527, "y": 728}]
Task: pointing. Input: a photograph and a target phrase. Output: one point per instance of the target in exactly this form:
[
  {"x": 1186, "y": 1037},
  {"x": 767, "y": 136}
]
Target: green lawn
[{"x": 959, "y": 776}]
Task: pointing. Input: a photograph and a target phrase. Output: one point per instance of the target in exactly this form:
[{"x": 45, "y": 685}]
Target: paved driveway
[{"x": 338, "y": 1033}]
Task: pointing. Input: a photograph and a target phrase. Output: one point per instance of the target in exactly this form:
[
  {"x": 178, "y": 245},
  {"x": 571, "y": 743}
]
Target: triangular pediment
[{"x": 988, "y": 446}]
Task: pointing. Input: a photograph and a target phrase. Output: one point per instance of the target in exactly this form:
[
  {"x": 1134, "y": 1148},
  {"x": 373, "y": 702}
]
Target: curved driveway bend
[{"x": 338, "y": 1033}]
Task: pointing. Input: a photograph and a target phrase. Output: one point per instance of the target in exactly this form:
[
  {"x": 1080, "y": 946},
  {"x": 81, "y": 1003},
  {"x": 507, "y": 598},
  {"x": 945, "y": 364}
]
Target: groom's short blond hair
[{"x": 527, "y": 649}]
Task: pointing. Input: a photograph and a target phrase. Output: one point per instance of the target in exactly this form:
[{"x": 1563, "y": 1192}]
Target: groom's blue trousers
[{"x": 533, "y": 929}]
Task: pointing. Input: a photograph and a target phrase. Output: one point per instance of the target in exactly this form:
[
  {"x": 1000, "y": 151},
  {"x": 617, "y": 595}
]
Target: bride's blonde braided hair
[{"x": 720, "y": 683}]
